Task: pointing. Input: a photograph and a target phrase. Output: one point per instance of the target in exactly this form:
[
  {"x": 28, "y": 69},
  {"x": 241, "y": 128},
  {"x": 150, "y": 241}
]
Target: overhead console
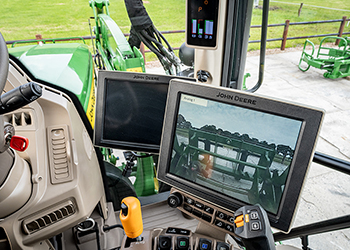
[{"x": 223, "y": 149}]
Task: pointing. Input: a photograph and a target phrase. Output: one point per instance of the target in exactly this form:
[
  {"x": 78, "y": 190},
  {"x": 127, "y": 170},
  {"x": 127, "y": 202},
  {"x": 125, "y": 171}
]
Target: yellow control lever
[{"x": 131, "y": 217}]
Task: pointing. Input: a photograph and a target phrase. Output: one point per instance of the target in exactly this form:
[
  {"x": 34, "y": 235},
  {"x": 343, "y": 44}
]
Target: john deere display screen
[
  {"x": 231, "y": 157},
  {"x": 202, "y": 22},
  {"x": 130, "y": 110},
  {"x": 234, "y": 149}
]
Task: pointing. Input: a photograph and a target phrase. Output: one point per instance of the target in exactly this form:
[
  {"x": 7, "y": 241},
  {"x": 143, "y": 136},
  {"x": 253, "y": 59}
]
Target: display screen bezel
[{"x": 311, "y": 119}]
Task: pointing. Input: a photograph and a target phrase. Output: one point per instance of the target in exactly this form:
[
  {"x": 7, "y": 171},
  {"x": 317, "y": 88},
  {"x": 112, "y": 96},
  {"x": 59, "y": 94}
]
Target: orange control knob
[{"x": 131, "y": 217}]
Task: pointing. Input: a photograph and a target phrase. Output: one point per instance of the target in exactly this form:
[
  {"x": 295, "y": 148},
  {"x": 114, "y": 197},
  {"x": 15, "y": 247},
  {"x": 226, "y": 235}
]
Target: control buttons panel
[
  {"x": 250, "y": 218},
  {"x": 203, "y": 211},
  {"x": 183, "y": 239},
  {"x": 253, "y": 228},
  {"x": 249, "y": 224}
]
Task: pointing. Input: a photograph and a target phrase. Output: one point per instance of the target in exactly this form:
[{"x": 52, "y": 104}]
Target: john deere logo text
[{"x": 236, "y": 98}]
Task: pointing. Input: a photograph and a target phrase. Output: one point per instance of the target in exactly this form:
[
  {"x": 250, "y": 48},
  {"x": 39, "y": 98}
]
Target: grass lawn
[{"x": 23, "y": 19}]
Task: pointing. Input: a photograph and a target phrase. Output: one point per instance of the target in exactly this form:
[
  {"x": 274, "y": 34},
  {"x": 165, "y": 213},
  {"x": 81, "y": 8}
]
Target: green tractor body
[
  {"x": 66, "y": 65},
  {"x": 112, "y": 47}
]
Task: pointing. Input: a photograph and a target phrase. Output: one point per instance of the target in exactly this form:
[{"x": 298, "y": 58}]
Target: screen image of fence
[{"x": 242, "y": 153}]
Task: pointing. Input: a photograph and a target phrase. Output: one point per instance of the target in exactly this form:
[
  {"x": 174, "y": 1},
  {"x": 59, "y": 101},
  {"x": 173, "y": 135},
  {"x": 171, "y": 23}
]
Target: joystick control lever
[
  {"x": 131, "y": 217},
  {"x": 19, "y": 97},
  {"x": 252, "y": 226}
]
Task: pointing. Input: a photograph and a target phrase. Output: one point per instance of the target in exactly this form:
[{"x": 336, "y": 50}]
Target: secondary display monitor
[
  {"x": 231, "y": 148},
  {"x": 202, "y": 23},
  {"x": 130, "y": 110}
]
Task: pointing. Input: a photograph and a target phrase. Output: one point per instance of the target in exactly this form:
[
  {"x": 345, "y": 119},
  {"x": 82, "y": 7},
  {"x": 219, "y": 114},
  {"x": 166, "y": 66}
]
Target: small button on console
[
  {"x": 255, "y": 226},
  {"x": 254, "y": 215},
  {"x": 221, "y": 215},
  {"x": 164, "y": 242},
  {"x": 229, "y": 227},
  {"x": 222, "y": 246},
  {"x": 182, "y": 243},
  {"x": 197, "y": 213},
  {"x": 199, "y": 205},
  {"x": 231, "y": 219},
  {"x": 219, "y": 223},
  {"x": 209, "y": 210},
  {"x": 204, "y": 244},
  {"x": 189, "y": 201},
  {"x": 206, "y": 217},
  {"x": 188, "y": 208}
]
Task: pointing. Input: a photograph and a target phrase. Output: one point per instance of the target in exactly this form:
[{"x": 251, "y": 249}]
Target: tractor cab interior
[
  {"x": 227, "y": 165},
  {"x": 226, "y": 155}
]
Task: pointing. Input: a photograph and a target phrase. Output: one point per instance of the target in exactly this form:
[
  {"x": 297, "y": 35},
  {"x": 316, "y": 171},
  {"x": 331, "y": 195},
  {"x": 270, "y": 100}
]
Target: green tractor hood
[{"x": 67, "y": 65}]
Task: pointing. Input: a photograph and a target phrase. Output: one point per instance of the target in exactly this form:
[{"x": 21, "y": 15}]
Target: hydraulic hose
[
  {"x": 138, "y": 15},
  {"x": 143, "y": 30},
  {"x": 139, "y": 19}
]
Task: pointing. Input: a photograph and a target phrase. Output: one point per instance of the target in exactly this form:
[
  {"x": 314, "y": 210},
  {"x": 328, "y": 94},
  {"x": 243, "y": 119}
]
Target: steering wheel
[{"x": 4, "y": 63}]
